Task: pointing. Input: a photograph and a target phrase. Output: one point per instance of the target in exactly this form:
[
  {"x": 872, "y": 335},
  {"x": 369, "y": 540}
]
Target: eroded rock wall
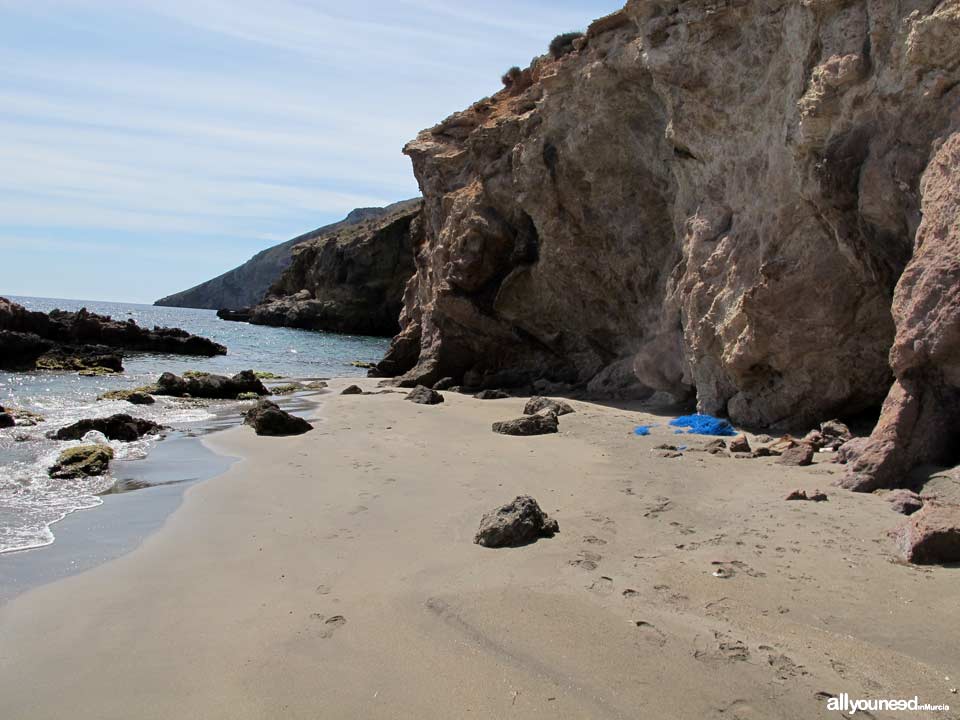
[
  {"x": 350, "y": 280},
  {"x": 712, "y": 199}
]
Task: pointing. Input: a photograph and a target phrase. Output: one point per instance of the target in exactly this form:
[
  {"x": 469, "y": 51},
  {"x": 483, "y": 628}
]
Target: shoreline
[
  {"x": 145, "y": 493},
  {"x": 336, "y": 570}
]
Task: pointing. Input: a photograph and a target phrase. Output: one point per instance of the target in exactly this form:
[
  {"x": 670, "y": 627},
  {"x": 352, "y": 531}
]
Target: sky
[{"x": 149, "y": 145}]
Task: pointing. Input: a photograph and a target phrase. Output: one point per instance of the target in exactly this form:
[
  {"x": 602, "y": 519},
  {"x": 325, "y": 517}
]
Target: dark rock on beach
[
  {"x": 543, "y": 423},
  {"x": 519, "y": 522},
  {"x": 82, "y": 461},
  {"x": 6, "y": 419},
  {"x": 424, "y": 396},
  {"x": 740, "y": 444},
  {"x": 537, "y": 404},
  {"x": 205, "y": 385},
  {"x": 491, "y": 395},
  {"x": 267, "y": 418},
  {"x": 352, "y": 390},
  {"x": 121, "y": 427},
  {"x": 801, "y": 454}
]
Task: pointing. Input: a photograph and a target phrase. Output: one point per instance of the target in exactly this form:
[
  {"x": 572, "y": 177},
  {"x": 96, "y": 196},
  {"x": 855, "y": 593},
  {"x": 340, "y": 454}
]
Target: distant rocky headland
[
  {"x": 85, "y": 341},
  {"x": 247, "y": 284}
]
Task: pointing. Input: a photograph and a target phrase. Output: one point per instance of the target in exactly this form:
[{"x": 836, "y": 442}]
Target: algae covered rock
[{"x": 82, "y": 461}]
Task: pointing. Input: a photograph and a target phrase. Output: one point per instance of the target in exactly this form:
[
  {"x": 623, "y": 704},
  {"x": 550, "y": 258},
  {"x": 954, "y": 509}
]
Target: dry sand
[{"x": 333, "y": 575}]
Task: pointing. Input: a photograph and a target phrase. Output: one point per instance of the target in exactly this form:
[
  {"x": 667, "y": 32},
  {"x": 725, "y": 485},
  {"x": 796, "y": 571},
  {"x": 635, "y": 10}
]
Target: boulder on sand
[
  {"x": 520, "y": 522},
  {"x": 543, "y": 423},
  {"x": 6, "y": 419},
  {"x": 423, "y": 395},
  {"x": 537, "y": 403},
  {"x": 491, "y": 395},
  {"x": 931, "y": 535},
  {"x": 267, "y": 418},
  {"x": 121, "y": 427},
  {"x": 801, "y": 454},
  {"x": 205, "y": 385},
  {"x": 352, "y": 390},
  {"x": 740, "y": 444},
  {"x": 82, "y": 461}
]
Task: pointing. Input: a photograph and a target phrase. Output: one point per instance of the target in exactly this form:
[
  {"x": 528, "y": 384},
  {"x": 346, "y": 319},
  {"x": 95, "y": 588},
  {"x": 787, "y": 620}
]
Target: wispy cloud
[{"x": 218, "y": 119}]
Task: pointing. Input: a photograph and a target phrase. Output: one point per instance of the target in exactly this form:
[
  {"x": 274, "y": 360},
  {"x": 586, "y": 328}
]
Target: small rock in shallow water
[
  {"x": 517, "y": 523},
  {"x": 121, "y": 427},
  {"x": 82, "y": 461},
  {"x": 6, "y": 420}
]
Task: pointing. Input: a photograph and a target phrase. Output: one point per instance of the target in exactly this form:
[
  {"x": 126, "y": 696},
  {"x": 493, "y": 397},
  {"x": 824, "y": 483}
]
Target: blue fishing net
[
  {"x": 703, "y": 425},
  {"x": 642, "y": 430}
]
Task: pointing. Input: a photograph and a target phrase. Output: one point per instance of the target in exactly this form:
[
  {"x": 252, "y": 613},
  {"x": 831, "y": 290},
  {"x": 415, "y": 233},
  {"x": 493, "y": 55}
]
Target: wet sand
[{"x": 334, "y": 575}]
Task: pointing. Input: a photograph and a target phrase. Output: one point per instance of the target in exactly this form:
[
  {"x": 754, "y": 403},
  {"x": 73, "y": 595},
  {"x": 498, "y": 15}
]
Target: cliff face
[
  {"x": 349, "y": 280},
  {"x": 247, "y": 284},
  {"x": 711, "y": 199}
]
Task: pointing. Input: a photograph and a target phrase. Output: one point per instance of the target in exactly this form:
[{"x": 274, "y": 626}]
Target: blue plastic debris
[
  {"x": 642, "y": 429},
  {"x": 703, "y": 425}
]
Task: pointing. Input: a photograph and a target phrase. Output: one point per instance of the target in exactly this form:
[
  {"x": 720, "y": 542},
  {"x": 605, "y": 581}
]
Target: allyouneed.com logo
[{"x": 846, "y": 704}]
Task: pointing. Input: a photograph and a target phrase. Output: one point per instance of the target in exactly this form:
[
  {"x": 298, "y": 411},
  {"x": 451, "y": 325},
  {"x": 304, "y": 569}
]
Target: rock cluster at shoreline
[{"x": 84, "y": 341}]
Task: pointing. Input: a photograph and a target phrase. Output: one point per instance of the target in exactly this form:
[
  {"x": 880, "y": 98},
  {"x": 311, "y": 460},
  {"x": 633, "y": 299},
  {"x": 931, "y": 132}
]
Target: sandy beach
[{"x": 334, "y": 575}]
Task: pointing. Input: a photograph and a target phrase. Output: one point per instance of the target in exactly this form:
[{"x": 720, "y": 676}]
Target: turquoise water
[{"x": 31, "y": 502}]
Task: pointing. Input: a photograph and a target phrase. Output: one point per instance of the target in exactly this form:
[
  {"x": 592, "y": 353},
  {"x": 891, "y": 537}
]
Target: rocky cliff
[
  {"x": 349, "y": 280},
  {"x": 247, "y": 284},
  {"x": 712, "y": 199}
]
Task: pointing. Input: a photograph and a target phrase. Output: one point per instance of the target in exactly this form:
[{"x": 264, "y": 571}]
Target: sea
[{"x": 32, "y": 503}]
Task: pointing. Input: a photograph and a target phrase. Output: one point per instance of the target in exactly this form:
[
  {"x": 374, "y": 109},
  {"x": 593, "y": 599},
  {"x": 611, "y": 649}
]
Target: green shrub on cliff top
[
  {"x": 563, "y": 44},
  {"x": 511, "y": 76}
]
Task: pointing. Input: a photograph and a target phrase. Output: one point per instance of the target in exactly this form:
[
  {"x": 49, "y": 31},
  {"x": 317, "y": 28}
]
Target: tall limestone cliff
[
  {"x": 247, "y": 284},
  {"x": 713, "y": 199}
]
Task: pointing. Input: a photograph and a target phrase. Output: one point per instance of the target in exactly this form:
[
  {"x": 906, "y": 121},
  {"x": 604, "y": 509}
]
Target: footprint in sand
[
  {"x": 649, "y": 633},
  {"x": 660, "y": 505},
  {"x": 602, "y": 585},
  {"x": 587, "y": 560},
  {"x": 724, "y": 648},
  {"x": 594, "y": 540},
  {"x": 784, "y": 667},
  {"x": 323, "y": 589},
  {"x": 330, "y": 624}
]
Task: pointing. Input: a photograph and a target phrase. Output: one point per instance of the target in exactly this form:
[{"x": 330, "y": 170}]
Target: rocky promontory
[
  {"x": 247, "y": 284},
  {"x": 85, "y": 341},
  {"x": 347, "y": 281},
  {"x": 715, "y": 201}
]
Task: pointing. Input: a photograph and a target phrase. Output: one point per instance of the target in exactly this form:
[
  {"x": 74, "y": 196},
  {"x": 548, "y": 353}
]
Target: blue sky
[{"x": 146, "y": 145}]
